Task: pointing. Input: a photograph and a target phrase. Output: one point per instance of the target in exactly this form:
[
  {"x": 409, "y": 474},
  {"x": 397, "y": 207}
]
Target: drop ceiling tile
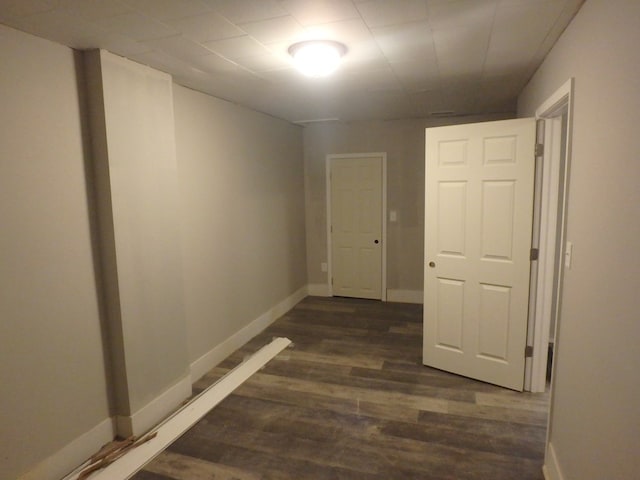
[
  {"x": 417, "y": 76},
  {"x": 62, "y": 28},
  {"x": 523, "y": 27},
  {"x": 237, "y": 47},
  {"x": 379, "y": 13},
  {"x": 461, "y": 13},
  {"x": 122, "y": 46},
  {"x": 505, "y": 63},
  {"x": 215, "y": 64},
  {"x": 21, "y": 8},
  {"x": 93, "y": 9},
  {"x": 179, "y": 47},
  {"x": 283, "y": 76},
  {"x": 345, "y": 31},
  {"x": 168, "y": 9},
  {"x": 164, "y": 62},
  {"x": 206, "y": 27},
  {"x": 273, "y": 30},
  {"x": 462, "y": 43},
  {"x": 378, "y": 79},
  {"x": 262, "y": 63},
  {"x": 314, "y": 12},
  {"x": 406, "y": 42},
  {"x": 136, "y": 26},
  {"x": 243, "y": 11}
]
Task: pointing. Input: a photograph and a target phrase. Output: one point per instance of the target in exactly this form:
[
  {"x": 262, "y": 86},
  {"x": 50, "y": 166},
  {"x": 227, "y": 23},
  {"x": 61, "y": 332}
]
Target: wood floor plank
[
  {"x": 352, "y": 400},
  {"x": 185, "y": 467}
]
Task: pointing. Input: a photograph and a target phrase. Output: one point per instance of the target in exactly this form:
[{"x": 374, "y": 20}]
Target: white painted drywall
[
  {"x": 242, "y": 215},
  {"x": 53, "y": 385},
  {"x": 595, "y": 414}
]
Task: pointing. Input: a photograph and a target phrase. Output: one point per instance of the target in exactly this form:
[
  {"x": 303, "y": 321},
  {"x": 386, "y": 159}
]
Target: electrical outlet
[
  {"x": 393, "y": 216},
  {"x": 324, "y": 267}
]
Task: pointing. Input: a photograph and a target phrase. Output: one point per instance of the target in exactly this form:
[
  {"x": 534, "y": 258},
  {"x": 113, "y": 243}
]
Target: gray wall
[
  {"x": 240, "y": 188},
  {"x": 595, "y": 418},
  {"x": 403, "y": 141},
  {"x": 52, "y": 367},
  {"x": 242, "y": 209},
  {"x": 134, "y": 158}
]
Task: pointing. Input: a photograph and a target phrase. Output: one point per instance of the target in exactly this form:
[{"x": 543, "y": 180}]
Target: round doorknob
[
  {"x": 376, "y": 242},
  {"x": 432, "y": 264}
]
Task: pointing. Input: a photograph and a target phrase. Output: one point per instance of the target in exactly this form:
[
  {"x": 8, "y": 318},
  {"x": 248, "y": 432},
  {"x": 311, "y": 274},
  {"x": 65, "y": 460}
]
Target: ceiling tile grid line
[{"x": 405, "y": 58}]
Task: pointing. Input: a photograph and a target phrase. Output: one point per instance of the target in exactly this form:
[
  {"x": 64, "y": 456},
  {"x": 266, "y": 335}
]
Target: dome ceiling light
[{"x": 317, "y": 58}]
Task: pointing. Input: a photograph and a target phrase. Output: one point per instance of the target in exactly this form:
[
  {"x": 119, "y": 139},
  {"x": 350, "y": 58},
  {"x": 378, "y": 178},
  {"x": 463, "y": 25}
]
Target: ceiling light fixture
[{"x": 317, "y": 58}]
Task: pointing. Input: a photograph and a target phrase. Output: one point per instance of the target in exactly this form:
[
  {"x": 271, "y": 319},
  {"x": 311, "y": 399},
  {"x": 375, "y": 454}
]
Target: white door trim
[
  {"x": 383, "y": 157},
  {"x": 550, "y": 231}
]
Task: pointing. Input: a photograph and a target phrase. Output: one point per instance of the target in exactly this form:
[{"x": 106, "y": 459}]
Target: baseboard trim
[
  {"x": 155, "y": 411},
  {"x": 178, "y": 423},
  {"x": 318, "y": 290},
  {"x": 551, "y": 467},
  {"x": 216, "y": 355},
  {"x": 405, "y": 296},
  {"x": 77, "y": 451}
]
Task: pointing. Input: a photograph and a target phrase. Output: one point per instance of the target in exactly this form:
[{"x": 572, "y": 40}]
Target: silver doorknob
[{"x": 432, "y": 264}]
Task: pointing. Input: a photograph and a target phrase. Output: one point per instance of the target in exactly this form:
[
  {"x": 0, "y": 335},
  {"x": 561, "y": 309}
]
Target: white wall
[
  {"x": 595, "y": 414},
  {"x": 53, "y": 385},
  {"x": 403, "y": 141},
  {"x": 242, "y": 209}
]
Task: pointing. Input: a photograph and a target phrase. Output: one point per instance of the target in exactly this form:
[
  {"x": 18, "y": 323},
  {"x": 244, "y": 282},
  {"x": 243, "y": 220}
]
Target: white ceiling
[{"x": 406, "y": 58}]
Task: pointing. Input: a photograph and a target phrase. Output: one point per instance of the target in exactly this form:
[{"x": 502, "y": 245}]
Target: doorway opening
[{"x": 552, "y": 174}]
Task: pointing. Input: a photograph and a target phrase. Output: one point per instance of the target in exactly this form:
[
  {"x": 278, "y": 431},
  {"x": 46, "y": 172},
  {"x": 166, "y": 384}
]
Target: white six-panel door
[
  {"x": 478, "y": 220},
  {"x": 356, "y": 226}
]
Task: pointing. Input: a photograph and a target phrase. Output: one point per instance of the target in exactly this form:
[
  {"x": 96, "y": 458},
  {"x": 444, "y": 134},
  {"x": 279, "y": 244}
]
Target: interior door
[
  {"x": 356, "y": 226},
  {"x": 478, "y": 222}
]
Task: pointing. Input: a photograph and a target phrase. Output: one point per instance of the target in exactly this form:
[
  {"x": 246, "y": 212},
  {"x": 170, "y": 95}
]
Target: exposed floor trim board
[
  {"x": 186, "y": 417},
  {"x": 217, "y": 354},
  {"x": 405, "y": 296}
]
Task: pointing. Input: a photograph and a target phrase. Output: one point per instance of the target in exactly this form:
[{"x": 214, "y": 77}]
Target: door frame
[
  {"x": 543, "y": 291},
  {"x": 383, "y": 157}
]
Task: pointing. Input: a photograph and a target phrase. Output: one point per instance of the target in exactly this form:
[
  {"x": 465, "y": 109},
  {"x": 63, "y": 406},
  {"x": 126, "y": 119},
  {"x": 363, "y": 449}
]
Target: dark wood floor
[{"x": 351, "y": 400}]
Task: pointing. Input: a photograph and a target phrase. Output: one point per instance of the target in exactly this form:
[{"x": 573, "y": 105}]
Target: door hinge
[
  {"x": 539, "y": 149},
  {"x": 535, "y": 253},
  {"x": 331, "y": 280},
  {"x": 528, "y": 351}
]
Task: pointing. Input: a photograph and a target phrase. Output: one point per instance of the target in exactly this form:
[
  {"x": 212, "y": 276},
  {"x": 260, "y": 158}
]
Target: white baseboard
[
  {"x": 318, "y": 290},
  {"x": 71, "y": 455},
  {"x": 155, "y": 411},
  {"x": 551, "y": 468},
  {"x": 405, "y": 296},
  {"x": 216, "y": 355},
  {"x": 186, "y": 417}
]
